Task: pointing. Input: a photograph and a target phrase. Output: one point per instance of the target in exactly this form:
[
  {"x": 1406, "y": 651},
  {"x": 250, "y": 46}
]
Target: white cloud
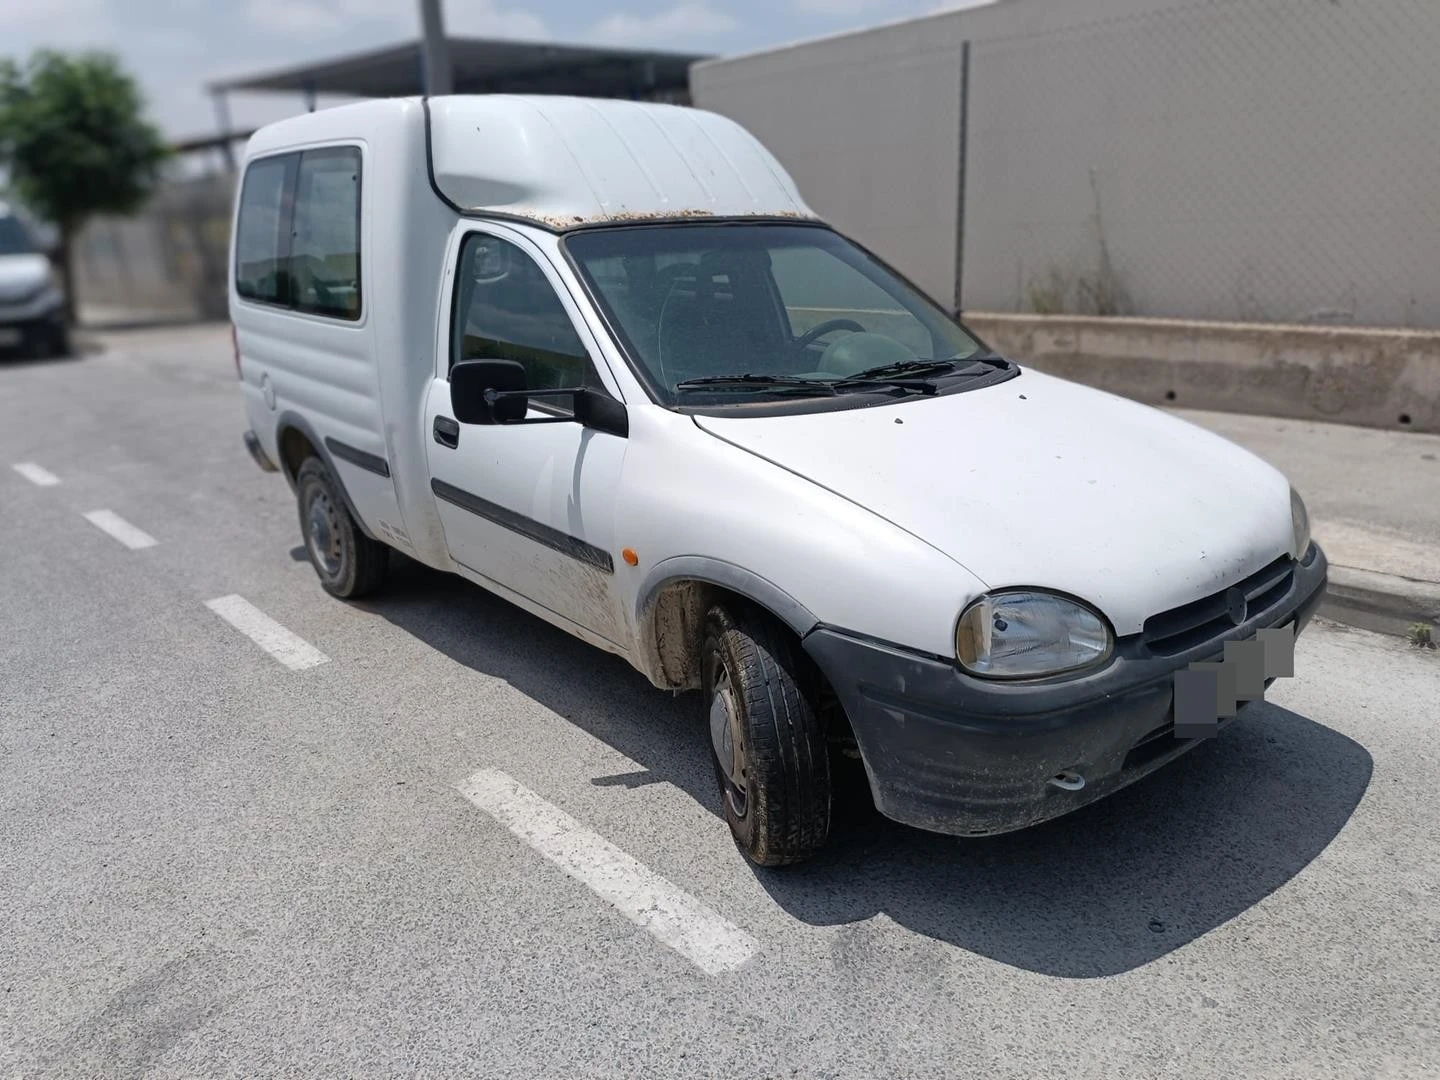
[
  {"x": 838, "y": 8},
  {"x": 70, "y": 23},
  {"x": 849, "y": 9},
  {"x": 465, "y": 18},
  {"x": 292, "y": 16},
  {"x": 399, "y": 18},
  {"x": 688, "y": 22}
]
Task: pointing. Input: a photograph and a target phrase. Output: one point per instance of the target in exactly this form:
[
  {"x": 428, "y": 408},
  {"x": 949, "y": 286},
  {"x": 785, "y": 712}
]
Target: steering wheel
[{"x": 829, "y": 326}]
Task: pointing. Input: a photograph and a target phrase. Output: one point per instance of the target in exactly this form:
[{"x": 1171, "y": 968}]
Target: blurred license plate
[{"x": 9, "y": 335}]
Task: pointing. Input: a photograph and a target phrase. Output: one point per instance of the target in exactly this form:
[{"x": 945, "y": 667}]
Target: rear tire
[
  {"x": 349, "y": 564},
  {"x": 768, "y": 742}
]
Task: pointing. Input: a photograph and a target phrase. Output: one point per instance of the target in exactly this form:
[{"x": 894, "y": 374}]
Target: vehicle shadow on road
[
  {"x": 12, "y": 359},
  {"x": 1110, "y": 888},
  {"x": 1115, "y": 885}
]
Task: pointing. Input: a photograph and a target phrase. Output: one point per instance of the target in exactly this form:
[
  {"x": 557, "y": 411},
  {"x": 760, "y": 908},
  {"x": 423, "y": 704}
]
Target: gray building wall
[{"x": 1253, "y": 160}]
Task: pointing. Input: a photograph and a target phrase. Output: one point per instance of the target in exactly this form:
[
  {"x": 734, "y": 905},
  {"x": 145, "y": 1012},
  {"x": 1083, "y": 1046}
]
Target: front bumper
[
  {"x": 25, "y": 325},
  {"x": 44, "y": 307},
  {"x": 955, "y": 754}
]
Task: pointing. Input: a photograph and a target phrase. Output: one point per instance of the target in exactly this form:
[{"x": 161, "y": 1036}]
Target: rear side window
[
  {"x": 325, "y": 239},
  {"x": 260, "y": 248},
  {"x": 297, "y": 241}
]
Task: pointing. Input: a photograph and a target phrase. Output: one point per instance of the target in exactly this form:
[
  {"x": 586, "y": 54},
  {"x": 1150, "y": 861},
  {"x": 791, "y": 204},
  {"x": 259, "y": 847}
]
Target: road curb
[{"x": 1387, "y": 596}]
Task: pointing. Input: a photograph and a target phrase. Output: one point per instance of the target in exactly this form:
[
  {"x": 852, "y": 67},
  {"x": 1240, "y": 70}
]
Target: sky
[{"x": 174, "y": 47}]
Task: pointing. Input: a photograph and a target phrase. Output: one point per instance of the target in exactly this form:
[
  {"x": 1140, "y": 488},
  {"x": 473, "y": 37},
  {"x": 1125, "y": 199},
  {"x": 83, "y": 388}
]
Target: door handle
[{"x": 447, "y": 432}]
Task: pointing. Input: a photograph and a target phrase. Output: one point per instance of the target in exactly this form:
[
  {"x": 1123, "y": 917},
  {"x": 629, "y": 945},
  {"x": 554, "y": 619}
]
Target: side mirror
[{"x": 488, "y": 391}]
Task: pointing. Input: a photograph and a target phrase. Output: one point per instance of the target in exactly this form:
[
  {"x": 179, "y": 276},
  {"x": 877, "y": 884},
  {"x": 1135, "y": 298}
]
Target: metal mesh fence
[{"x": 1251, "y": 160}]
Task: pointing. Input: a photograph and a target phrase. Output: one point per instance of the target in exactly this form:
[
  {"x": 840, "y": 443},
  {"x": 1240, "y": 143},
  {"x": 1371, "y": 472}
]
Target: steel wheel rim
[
  {"x": 322, "y": 534},
  {"x": 727, "y": 738}
]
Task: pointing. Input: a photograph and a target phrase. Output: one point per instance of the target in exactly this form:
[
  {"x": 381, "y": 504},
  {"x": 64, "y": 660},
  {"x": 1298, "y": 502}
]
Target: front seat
[{"x": 718, "y": 319}]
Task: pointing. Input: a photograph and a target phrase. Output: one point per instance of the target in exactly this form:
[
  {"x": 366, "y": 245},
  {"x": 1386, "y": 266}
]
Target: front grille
[{"x": 1195, "y": 623}]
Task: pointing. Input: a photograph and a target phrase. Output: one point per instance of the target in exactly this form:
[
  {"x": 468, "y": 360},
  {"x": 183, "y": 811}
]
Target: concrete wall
[
  {"x": 167, "y": 262},
  {"x": 1256, "y": 160},
  {"x": 1375, "y": 378}
]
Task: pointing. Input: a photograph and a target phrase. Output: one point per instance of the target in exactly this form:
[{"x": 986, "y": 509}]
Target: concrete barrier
[{"x": 1347, "y": 375}]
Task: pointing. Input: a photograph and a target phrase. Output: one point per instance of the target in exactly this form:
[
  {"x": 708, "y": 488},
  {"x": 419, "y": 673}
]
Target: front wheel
[
  {"x": 770, "y": 752},
  {"x": 348, "y": 562}
]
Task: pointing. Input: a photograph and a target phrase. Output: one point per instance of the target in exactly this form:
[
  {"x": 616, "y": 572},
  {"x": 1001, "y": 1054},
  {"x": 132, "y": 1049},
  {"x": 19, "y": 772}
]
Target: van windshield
[
  {"x": 722, "y": 313},
  {"x": 14, "y": 238}
]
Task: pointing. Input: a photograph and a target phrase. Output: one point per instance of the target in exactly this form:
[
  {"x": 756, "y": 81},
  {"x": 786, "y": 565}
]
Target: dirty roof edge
[{"x": 562, "y": 224}]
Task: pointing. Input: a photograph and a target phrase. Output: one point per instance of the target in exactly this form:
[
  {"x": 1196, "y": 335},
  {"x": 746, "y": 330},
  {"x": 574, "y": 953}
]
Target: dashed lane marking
[
  {"x": 672, "y": 915},
  {"x": 108, "y": 521},
  {"x": 36, "y": 475},
  {"x": 293, "y": 651}
]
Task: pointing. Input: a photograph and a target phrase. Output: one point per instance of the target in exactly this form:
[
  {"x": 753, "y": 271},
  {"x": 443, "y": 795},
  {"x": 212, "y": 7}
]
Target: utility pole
[{"x": 435, "y": 50}]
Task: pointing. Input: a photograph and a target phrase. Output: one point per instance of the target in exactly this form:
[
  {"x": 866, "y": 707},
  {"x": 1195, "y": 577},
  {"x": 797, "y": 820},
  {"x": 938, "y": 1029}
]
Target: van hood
[
  {"x": 1038, "y": 481},
  {"x": 22, "y": 276}
]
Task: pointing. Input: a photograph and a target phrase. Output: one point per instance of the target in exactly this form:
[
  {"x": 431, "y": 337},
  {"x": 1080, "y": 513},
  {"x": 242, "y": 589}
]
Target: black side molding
[
  {"x": 368, "y": 462},
  {"x": 541, "y": 533}
]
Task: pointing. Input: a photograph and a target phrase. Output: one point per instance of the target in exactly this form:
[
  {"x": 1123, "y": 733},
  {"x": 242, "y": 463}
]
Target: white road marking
[
  {"x": 645, "y": 898},
  {"x": 291, "y": 650},
  {"x": 110, "y": 522},
  {"x": 36, "y": 475}
]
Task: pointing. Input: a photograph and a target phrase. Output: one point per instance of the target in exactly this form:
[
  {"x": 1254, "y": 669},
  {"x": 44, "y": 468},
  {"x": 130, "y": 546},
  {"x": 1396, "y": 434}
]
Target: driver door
[{"x": 527, "y": 507}]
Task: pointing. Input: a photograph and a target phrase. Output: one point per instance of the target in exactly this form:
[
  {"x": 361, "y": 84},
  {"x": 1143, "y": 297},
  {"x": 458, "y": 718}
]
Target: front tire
[
  {"x": 349, "y": 564},
  {"x": 769, "y": 747}
]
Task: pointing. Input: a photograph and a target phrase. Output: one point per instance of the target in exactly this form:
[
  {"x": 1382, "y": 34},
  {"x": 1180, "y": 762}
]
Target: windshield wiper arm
[
  {"x": 919, "y": 374},
  {"x": 911, "y": 368},
  {"x": 914, "y": 375},
  {"x": 747, "y": 381},
  {"x": 918, "y": 368}
]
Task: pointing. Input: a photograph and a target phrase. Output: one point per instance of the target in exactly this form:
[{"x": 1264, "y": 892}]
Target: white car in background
[
  {"x": 32, "y": 301},
  {"x": 600, "y": 358}
]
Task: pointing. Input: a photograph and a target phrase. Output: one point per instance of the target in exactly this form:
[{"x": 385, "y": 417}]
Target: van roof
[{"x": 566, "y": 162}]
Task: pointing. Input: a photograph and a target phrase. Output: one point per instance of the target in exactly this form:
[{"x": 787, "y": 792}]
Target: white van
[{"x": 600, "y": 358}]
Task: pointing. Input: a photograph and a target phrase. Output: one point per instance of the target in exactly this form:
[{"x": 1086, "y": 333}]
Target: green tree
[{"x": 75, "y": 142}]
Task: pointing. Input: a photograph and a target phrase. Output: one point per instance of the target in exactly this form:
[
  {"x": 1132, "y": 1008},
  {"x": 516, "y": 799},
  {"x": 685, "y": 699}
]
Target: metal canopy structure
[{"x": 489, "y": 66}]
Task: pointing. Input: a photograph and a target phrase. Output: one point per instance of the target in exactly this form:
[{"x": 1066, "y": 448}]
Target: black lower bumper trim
[{"x": 951, "y": 753}]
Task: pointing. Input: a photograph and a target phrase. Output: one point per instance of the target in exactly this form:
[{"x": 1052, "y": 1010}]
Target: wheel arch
[
  {"x": 671, "y": 610},
  {"x": 296, "y": 440}
]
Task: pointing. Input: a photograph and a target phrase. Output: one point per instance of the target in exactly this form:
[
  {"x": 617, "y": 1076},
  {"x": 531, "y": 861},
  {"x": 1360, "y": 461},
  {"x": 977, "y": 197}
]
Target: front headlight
[
  {"x": 1019, "y": 634},
  {"x": 1299, "y": 524}
]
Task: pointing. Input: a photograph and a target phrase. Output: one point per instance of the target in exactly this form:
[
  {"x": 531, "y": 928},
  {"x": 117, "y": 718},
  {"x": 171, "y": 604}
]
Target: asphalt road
[{"x": 214, "y": 865}]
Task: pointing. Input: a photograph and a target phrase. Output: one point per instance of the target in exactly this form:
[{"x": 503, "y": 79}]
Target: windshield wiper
[
  {"x": 919, "y": 374},
  {"x": 913, "y": 374},
  {"x": 913, "y": 368},
  {"x": 747, "y": 381}
]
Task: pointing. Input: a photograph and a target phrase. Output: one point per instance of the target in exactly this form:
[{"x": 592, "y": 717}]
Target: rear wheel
[
  {"x": 771, "y": 757},
  {"x": 348, "y": 562}
]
